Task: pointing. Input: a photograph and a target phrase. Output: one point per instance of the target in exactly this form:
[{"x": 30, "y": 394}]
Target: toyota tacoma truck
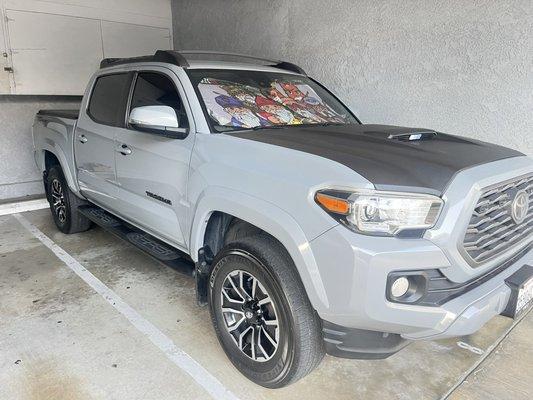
[{"x": 306, "y": 231}]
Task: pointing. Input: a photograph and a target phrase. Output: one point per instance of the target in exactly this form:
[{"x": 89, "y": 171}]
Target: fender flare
[
  {"x": 63, "y": 163},
  {"x": 271, "y": 219}
]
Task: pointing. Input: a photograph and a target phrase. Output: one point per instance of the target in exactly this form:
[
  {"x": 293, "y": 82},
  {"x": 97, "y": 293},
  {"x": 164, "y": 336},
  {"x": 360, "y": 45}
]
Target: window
[
  {"x": 108, "y": 100},
  {"x": 153, "y": 89}
]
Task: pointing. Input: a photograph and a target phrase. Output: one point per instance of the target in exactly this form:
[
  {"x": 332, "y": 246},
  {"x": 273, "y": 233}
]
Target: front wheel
[{"x": 261, "y": 313}]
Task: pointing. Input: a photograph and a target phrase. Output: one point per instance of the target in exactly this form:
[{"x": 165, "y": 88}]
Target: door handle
[
  {"x": 82, "y": 138},
  {"x": 124, "y": 150}
]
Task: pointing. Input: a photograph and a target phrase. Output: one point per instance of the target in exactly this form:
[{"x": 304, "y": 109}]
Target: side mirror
[{"x": 160, "y": 120}]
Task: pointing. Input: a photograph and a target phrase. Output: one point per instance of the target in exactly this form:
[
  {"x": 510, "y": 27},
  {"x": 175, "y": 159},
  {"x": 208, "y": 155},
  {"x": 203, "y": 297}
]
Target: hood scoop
[{"x": 413, "y": 136}]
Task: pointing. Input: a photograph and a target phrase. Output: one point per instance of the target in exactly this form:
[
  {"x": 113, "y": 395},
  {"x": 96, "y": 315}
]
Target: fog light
[{"x": 399, "y": 287}]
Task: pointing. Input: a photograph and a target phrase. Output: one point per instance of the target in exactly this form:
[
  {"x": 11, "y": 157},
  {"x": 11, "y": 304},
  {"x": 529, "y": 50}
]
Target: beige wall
[
  {"x": 19, "y": 176},
  {"x": 460, "y": 66}
]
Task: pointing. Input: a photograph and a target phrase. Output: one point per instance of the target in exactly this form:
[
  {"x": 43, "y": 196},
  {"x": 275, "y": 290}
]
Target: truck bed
[
  {"x": 53, "y": 131},
  {"x": 70, "y": 114}
]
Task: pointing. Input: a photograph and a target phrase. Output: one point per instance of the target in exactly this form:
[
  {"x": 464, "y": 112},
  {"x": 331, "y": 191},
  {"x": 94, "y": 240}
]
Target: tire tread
[{"x": 307, "y": 325}]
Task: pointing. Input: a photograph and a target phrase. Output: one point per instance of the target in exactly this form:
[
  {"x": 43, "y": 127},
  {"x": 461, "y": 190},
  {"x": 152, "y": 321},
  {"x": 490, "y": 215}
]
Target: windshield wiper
[
  {"x": 260, "y": 127},
  {"x": 256, "y": 128},
  {"x": 325, "y": 124}
]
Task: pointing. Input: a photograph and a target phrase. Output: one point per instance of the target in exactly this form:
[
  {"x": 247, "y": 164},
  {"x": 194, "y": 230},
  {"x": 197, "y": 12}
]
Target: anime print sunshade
[{"x": 232, "y": 104}]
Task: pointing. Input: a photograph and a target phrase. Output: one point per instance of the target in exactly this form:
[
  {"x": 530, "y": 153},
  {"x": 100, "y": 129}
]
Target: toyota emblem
[{"x": 520, "y": 207}]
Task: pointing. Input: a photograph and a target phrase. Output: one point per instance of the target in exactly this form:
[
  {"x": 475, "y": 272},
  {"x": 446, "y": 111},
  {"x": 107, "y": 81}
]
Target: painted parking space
[
  {"x": 425, "y": 370},
  {"x": 60, "y": 340}
]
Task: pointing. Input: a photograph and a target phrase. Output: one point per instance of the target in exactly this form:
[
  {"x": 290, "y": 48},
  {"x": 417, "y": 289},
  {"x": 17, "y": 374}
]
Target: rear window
[{"x": 108, "y": 100}]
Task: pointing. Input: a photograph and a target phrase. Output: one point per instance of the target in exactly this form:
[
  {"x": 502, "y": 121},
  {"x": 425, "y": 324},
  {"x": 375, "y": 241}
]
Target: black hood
[{"x": 387, "y": 156}]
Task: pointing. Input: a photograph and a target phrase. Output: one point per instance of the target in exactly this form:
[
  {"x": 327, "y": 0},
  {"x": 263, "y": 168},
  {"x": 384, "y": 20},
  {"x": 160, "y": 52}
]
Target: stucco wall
[
  {"x": 463, "y": 67},
  {"x": 19, "y": 176},
  {"x": 458, "y": 66}
]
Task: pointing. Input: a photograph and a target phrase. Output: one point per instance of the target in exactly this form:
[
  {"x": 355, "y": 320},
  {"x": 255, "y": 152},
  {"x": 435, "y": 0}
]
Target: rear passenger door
[
  {"x": 153, "y": 172},
  {"x": 94, "y": 144}
]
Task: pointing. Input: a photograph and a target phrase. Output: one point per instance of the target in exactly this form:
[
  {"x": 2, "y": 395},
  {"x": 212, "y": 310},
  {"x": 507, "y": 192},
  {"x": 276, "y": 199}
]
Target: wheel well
[
  {"x": 224, "y": 228},
  {"x": 221, "y": 229},
  {"x": 49, "y": 160}
]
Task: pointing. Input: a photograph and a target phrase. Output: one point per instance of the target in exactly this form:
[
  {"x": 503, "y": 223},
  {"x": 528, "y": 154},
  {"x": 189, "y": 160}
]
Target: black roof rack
[
  {"x": 179, "y": 58},
  {"x": 166, "y": 56},
  {"x": 287, "y": 66}
]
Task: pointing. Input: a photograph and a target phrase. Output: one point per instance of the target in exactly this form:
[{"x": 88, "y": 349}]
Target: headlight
[{"x": 381, "y": 213}]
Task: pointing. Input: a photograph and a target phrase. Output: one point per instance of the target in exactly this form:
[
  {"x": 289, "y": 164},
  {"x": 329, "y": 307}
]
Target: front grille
[{"x": 492, "y": 229}]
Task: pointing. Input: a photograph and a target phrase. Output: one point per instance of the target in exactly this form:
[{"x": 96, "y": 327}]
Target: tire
[
  {"x": 297, "y": 346},
  {"x": 64, "y": 204}
]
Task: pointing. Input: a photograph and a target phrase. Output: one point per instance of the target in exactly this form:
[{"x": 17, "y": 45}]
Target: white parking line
[
  {"x": 22, "y": 206},
  {"x": 211, "y": 384}
]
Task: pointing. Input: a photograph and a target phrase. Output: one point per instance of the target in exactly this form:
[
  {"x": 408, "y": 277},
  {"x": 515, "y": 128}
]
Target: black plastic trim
[
  {"x": 516, "y": 282},
  {"x": 164, "y": 56},
  {"x": 418, "y": 286},
  {"x": 202, "y": 270},
  {"x": 169, "y": 255},
  {"x": 439, "y": 289},
  {"x": 344, "y": 342},
  {"x": 70, "y": 114},
  {"x": 176, "y": 58},
  {"x": 120, "y": 123},
  {"x": 287, "y": 66}
]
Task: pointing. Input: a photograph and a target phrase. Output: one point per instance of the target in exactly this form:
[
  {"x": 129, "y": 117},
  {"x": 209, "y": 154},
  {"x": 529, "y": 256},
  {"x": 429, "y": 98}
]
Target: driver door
[{"x": 152, "y": 169}]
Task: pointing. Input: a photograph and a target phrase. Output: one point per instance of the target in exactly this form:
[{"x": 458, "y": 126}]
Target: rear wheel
[
  {"x": 261, "y": 313},
  {"x": 64, "y": 204}
]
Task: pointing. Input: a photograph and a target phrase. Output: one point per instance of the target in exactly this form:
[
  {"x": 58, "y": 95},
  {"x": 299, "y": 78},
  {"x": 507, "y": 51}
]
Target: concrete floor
[{"x": 59, "y": 339}]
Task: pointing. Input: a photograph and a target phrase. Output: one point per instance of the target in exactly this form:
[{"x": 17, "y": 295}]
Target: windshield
[{"x": 236, "y": 99}]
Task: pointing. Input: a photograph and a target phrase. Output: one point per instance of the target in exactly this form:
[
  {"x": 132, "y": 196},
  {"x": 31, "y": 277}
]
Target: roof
[{"x": 204, "y": 59}]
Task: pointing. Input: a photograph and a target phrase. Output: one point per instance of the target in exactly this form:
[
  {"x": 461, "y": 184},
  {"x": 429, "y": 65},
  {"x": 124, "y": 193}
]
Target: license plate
[
  {"x": 521, "y": 284},
  {"x": 525, "y": 297}
]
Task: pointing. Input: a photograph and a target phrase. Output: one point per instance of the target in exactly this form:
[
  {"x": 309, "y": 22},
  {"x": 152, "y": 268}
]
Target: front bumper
[{"x": 354, "y": 273}]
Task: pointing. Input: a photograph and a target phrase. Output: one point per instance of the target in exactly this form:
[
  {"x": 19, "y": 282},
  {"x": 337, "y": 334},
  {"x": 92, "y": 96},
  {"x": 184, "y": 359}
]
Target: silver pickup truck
[{"x": 306, "y": 231}]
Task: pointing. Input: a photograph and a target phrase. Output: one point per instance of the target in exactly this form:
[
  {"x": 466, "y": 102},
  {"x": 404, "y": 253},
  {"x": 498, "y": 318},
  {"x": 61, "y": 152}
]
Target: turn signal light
[{"x": 333, "y": 204}]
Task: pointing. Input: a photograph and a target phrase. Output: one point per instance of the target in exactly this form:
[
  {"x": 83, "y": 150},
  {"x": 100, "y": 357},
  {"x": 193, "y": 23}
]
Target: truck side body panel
[{"x": 55, "y": 134}]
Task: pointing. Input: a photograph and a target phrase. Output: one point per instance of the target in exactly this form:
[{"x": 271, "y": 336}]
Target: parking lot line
[
  {"x": 485, "y": 355},
  {"x": 181, "y": 359},
  {"x": 23, "y": 206}
]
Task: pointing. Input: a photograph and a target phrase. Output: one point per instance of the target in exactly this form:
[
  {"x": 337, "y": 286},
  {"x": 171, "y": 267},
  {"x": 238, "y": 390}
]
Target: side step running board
[{"x": 162, "y": 252}]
